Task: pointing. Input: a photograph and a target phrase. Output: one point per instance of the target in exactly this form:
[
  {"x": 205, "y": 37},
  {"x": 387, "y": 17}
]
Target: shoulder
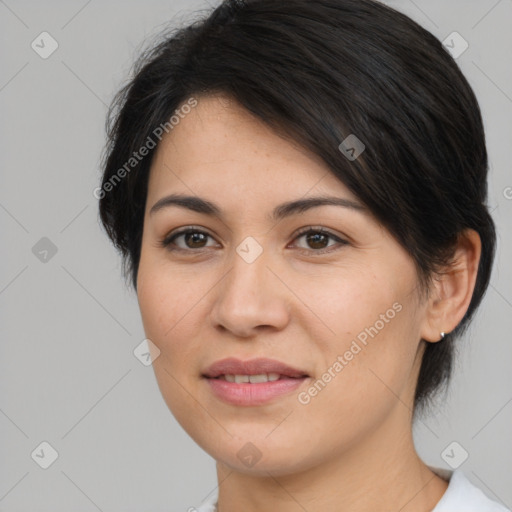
[{"x": 462, "y": 495}]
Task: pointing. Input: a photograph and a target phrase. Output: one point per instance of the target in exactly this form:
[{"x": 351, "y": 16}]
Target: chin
[
  {"x": 261, "y": 457},
  {"x": 277, "y": 465}
]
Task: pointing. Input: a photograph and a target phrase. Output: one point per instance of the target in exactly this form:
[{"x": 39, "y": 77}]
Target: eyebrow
[{"x": 200, "y": 205}]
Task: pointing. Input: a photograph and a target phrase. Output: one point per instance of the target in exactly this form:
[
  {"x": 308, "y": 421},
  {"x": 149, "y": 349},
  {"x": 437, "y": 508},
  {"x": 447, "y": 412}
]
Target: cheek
[
  {"x": 173, "y": 306},
  {"x": 167, "y": 311},
  {"x": 166, "y": 300},
  {"x": 360, "y": 383},
  {"x": 369, "y": 350},
  {"x": 349, "y": 302}
]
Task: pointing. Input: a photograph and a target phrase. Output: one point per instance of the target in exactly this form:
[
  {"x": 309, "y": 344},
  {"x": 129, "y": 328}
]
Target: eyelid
[{"x": 320, "y": 229}]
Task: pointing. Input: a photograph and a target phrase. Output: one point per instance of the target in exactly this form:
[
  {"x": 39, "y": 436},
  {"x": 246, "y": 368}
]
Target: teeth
[
  {"x": 254, "y": 379},
  {"x": 262, "y": 377}
]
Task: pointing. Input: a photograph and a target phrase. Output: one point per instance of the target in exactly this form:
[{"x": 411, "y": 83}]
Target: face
[{"x": 325, "y": 290}]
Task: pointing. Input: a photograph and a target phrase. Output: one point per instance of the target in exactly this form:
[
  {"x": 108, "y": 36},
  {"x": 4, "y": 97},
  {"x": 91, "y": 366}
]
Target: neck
[{"x": 381, "y": 472}]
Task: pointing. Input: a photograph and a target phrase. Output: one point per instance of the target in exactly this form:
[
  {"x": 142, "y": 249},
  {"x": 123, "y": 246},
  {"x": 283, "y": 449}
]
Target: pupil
[
  {"x": 315, "y": 238},
  {"x": 194, "y": 237}
]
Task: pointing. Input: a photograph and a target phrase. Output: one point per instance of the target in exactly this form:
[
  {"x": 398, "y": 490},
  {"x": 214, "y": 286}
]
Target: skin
[{"x": 351, "y": 446}]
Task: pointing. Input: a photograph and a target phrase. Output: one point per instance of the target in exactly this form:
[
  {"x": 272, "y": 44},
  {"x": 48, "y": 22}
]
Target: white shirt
[{"x": 460, "y": 496}]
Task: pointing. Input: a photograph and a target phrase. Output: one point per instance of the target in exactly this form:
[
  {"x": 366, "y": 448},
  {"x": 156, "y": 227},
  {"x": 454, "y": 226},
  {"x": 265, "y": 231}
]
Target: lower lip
[{"x": 246, "y": 394}]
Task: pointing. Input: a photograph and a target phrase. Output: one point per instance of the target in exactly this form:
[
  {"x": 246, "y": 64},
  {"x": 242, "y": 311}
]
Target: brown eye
[
  {"x": 317, "y": 240},
  {"x": 192, "y": 239}
]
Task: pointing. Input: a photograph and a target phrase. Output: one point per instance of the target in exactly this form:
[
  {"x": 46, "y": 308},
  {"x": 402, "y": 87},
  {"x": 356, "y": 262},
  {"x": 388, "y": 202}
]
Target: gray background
[{"x": 69, "y": 326}]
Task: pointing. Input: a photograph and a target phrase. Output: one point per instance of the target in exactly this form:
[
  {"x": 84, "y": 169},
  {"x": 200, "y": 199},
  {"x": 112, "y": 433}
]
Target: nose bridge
[
  {"x": 248, "y": 296},
  {"x": 249, "y": 267}
]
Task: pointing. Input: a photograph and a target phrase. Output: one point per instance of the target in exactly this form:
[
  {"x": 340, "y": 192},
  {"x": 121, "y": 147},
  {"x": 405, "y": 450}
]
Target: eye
[
  {"x": 318, "y": 238},
  {"x": 193, "y": 238}
]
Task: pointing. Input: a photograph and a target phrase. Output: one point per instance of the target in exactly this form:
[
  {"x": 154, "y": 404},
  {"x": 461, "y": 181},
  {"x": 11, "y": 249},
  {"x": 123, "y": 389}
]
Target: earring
[{"x": 442, "y": 336}]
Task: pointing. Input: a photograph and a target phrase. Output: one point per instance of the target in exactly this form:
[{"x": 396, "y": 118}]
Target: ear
[{"x": 452, "y": 288}]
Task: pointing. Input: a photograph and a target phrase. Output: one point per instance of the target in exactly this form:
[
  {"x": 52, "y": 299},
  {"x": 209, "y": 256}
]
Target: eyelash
[{"x": 169, "y": 239}]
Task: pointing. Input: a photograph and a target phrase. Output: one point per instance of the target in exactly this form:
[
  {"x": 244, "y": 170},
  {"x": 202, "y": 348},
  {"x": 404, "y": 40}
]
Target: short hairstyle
[{"x": 317, "y": 71}]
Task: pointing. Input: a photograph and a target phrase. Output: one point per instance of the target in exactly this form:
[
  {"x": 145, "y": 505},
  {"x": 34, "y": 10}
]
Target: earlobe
[{"x": 453, "y": 288}]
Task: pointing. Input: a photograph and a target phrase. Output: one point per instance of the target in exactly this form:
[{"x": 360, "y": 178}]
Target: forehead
[{"x": 220, "y": 147}]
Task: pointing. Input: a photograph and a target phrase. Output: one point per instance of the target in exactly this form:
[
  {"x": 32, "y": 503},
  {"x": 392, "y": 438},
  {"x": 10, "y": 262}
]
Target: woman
[{"x": 299, "y": 192}]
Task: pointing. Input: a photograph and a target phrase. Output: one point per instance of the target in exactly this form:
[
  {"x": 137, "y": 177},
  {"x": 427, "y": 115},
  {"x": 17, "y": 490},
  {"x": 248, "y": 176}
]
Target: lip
[
  {"x": 247, "y": 394},
  {"x": 235, "y": 366}
]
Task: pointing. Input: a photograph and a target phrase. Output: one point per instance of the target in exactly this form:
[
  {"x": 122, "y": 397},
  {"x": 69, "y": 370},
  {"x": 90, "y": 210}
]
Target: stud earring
[{"x": 442, "y": 336}]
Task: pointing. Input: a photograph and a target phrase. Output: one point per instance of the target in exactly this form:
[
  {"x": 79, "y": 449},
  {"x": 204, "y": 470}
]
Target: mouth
[
  {"x": 254, "y": 382},
  {"x": 254, "y": 379},
  {"x": 252, "y": 368}
]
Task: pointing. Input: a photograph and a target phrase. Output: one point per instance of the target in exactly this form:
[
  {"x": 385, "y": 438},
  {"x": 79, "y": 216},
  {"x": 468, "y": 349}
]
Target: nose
[{"x": 251, "y": 297}]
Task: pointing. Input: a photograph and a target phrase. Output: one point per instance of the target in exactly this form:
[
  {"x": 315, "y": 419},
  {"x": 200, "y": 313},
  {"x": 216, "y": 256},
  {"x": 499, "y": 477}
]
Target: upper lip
[{"x": 233, "y": 366}]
